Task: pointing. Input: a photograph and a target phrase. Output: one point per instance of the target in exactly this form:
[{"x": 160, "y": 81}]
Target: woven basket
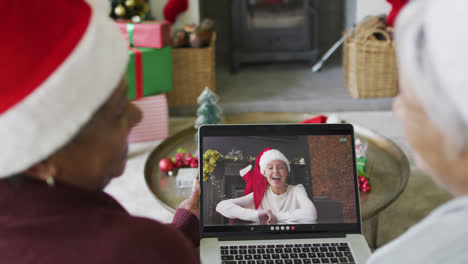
[
  {"x": 369, "y": 64},
  {"x": 193, "y": 70}
]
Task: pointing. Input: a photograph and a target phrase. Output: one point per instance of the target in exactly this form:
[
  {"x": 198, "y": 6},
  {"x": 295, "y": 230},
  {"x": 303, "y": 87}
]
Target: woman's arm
[
  {"x": 239, "y": 208},
  {"x": 304, "y": 214},
  {"x": 187, "y": 216}
]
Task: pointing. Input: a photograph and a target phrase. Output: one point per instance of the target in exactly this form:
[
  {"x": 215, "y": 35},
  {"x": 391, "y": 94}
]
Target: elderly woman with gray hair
[
  {"x": 431, "y": 39},
  {"x": 64, "y": 122}
]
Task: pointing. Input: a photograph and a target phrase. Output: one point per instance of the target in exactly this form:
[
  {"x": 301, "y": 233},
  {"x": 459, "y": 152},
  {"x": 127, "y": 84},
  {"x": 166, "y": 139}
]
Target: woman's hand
[
  {"x": 267, "y": 217},
  {"x": 271, "y": 218},
  {"x": 193, "y": 202},
  {"x": 263, "y": 217}
]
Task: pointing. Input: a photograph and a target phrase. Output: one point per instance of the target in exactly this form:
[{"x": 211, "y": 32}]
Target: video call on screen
[{"x": 322, "y": 164}]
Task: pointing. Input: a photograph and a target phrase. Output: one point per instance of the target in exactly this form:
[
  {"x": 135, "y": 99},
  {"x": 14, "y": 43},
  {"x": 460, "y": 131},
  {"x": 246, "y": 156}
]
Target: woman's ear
[{"x": 42, "y": 170}]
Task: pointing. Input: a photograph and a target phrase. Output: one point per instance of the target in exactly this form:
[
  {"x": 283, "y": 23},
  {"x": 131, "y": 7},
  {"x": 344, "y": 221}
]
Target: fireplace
[{"x": 273, "y": 30}]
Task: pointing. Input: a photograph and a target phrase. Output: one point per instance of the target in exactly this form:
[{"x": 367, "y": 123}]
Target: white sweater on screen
[{"x": 291, "y": 207}]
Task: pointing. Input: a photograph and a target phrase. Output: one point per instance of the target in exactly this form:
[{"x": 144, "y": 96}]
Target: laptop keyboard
[{"x": 287, "y": 254}]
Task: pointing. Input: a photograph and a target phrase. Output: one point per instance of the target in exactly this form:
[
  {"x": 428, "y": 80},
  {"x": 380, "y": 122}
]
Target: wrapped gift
[
  {"x": 148, "y": 34},
  {"x": 149, "y": 72},
  {"x": 155, "y": 122},
  {"x": 361, "y": 164}
]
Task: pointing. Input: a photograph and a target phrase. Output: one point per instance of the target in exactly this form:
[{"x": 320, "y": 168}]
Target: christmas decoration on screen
[
  {"x": 235, "y": 154},
  {"x": 209, "y": 111},
  {"x": 136, "y": 10},
  {"x": 210, "y": 157}
]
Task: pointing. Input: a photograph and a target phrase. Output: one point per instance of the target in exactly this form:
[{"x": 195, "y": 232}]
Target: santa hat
[
  {"x": 254, "y": 180},
  {"x": 430, "y": 39},
  {"x": 397, "y": 5},
  {"x": 271, "y": 155},
  {"x": 60, "y": 62}
]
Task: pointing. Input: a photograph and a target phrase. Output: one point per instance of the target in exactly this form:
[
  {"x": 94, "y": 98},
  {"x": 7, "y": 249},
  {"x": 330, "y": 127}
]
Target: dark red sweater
[{"x": 62, "y": 224}]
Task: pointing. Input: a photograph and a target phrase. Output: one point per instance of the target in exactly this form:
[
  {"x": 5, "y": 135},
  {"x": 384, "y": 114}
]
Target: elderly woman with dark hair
[
  {"x": 431, "y": 38},
  {"x": 64, "y": 122}
]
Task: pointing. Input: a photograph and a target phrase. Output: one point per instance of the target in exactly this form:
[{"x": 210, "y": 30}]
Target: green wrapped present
[
  {"x": 361, "y": 164},
  {"x": 149, "y": 71}
]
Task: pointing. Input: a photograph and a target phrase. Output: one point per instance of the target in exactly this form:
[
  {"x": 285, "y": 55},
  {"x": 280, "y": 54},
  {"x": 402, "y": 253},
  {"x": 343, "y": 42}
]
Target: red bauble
[
  {"x": 179, "y": 163},
  {"x": 166, "y": 165},
  {"x": 194, "y": 163}
]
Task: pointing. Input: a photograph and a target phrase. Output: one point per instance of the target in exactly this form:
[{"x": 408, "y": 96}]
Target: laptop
[{"x": 309, "y": 214}]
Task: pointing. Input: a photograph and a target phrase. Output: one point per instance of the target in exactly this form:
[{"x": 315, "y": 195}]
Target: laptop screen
[{"x": 278, "y": 178}]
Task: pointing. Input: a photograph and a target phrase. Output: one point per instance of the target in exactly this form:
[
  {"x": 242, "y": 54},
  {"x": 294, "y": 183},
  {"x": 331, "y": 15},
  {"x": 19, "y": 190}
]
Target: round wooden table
[{"x": 387, "y": 165}]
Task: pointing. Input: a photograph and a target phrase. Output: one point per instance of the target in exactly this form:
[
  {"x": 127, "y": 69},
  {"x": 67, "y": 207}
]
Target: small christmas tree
[{"x": 209, "y": 111}]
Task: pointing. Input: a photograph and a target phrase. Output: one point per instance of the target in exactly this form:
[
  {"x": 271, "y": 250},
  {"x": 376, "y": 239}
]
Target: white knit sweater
[
  {"x": 442, "y": 237},
  {"x": 291, "y": 207}
]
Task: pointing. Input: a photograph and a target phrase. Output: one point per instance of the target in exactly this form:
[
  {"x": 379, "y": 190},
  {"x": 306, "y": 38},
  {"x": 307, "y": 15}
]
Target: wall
[
  {"x": 191, "y": 16},
  {"x": 334, "y": 17},
  {"x": 331, "y": 24},
  {"x": 332, "y": 173}
]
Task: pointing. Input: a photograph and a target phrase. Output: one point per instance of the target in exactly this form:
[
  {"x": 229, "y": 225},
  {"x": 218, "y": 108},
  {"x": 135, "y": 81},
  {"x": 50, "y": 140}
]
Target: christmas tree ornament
[
  {"x": 130, "y": 3},
  {"x": 136, "y": 10},
  {"x": 209, "y": 111},
  {"x": 136, "y": 19},
  {"x": 166, "y": 165},
  {"x": 120, "y": 11}
]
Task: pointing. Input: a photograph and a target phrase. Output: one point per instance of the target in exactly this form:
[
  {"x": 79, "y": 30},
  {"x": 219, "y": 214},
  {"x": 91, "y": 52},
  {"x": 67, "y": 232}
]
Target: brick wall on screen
[{"x": 332, "y": 171}]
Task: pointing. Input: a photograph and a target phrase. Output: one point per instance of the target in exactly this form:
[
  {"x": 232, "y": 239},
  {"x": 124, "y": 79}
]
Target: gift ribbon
[
  {"x": 130, "y": 28},
  {"x": 138, "y": 72}
]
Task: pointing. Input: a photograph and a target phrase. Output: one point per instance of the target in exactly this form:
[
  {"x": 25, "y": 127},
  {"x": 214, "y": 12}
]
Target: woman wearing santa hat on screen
[
  {"x": 64, "y": 122},
  {"x": 268, "y": 198}
]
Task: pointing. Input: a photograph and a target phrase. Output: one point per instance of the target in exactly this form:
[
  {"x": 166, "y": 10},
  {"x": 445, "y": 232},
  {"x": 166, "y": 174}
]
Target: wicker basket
[
  {"x": 193, "y": 70},
  {"x": 369, "y": 64}
]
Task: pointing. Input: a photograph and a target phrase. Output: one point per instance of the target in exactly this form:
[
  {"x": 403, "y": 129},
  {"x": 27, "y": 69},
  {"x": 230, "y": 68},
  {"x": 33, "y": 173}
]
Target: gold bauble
[
  {"x": 130, "y": 3},
  {"x": 119, "y": 11}
]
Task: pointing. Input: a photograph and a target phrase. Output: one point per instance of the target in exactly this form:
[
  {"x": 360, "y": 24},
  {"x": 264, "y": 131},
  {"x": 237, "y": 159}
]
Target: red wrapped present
[
  {"x": 148, "y": 34},
  {"x": 155, "y": 122}
]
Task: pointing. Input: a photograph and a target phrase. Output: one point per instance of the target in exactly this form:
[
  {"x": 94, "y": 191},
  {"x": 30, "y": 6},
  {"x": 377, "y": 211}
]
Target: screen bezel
[{"x": 277, "y": 130}]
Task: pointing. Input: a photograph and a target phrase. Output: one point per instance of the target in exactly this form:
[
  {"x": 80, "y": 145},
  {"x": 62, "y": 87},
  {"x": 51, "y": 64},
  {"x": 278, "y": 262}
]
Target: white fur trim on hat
[
  {"x": 51, "y": 116},
  {"x": 245, "y": 170},
  {"x": 271, "y": 155},
  {"x": 430, "y": 39}
]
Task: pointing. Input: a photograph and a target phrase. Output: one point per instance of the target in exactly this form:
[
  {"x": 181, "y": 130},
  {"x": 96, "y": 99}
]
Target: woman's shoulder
[
  {"x": 152, "y": 228},
  {"x": 149, "y": 237},
  {"x": 442, "y": 237},
  {"x": 298, "y": 187}
]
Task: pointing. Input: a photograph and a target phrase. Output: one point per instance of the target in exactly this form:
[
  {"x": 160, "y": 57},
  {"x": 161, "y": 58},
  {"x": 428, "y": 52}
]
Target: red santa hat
[
  {"x": 60, "y": 62},
  {"x": 271, "y": 155},
  {"x": 255, "y": 180}
]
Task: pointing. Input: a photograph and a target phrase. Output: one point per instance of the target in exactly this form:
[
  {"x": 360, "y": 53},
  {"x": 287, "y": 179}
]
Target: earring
[{"x": 50, "y": 181}]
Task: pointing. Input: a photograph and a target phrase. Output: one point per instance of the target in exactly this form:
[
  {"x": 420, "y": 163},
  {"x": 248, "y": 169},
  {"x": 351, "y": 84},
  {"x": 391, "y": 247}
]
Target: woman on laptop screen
[{"x": 268, "y": 198}]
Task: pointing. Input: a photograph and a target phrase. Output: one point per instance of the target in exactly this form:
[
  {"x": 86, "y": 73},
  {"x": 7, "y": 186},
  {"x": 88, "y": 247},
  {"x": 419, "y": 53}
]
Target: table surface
[{"x": 388, "y": 165}]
